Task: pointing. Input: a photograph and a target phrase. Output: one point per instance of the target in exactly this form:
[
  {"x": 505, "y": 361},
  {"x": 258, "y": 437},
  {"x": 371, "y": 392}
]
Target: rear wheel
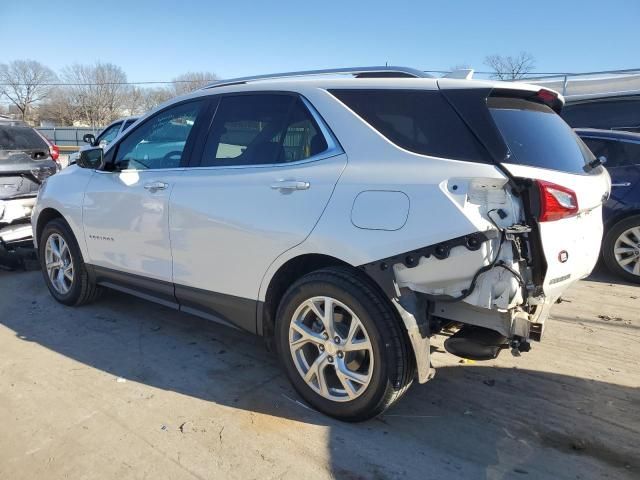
[
  {"x": 621, "y": 249},
  {"x": 63, "y": 267},
  {"x": 343, "y": 348}
]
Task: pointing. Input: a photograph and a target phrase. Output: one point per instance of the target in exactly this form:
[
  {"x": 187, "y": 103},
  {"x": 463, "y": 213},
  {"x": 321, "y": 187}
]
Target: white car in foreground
[{"x": 347, "y": 216}]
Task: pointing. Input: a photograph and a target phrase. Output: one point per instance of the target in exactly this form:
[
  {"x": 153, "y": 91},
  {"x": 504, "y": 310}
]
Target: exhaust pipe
[{"x": 476, "y": 343}]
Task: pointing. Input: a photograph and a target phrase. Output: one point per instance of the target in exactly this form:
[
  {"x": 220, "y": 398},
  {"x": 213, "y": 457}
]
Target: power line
[{"x": 90, "y": 84}]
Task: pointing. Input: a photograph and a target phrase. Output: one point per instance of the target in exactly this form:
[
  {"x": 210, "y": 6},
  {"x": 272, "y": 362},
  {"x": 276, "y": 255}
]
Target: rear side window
[
  {"x": 127, "y": 124},
  {"x": 109, "y": 134},
  {"x": 537, "y": 136},
  {"x": 416, "y": 120},
  {"x": 20, "y": 138},
  {"x": 608, "y": 115},
  {"x": 618, "y": 153},
  {"x": 261, "y": 129}
]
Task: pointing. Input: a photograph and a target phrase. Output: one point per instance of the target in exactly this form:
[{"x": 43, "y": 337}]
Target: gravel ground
[{"x": 126, "y": 389}]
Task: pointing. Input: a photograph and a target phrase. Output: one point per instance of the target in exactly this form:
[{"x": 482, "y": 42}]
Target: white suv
[{"x": 347, "y": 216}]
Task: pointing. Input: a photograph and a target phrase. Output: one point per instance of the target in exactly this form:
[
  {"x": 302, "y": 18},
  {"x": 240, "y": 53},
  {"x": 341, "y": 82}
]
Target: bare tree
[
  {"x": 58, "y": 108},
  {"x": 26, "y": 82},
  {"x": 141, "y": 100},
  {"x": 510, "y": 68},
  {"x": 152, "y": 97},
  {"x": 97, "y": 92},
  {"x": 190, "y": 81}
]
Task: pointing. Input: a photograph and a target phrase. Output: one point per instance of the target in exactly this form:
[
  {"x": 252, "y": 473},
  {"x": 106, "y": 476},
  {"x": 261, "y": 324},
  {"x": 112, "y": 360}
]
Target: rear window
[
  {"x": 20, "y": 138},
  {"x": 416, "y": 120},
  {"x": 538, "y": 137}
]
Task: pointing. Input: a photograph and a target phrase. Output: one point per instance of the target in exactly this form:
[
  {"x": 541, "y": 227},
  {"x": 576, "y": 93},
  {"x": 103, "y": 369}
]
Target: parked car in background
[
  {"x": 621, "y": 245},
  {"x": 25, "y": 162},
  {"x": 348, "y": 219},
  {"x": 609, "y": 112},
  {"x": 105, "y": 137}
]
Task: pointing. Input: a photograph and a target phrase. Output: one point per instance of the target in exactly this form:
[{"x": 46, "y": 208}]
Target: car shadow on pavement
[
  {"x": 602, "y": 275},
  {"x": 469, "y": 422}
]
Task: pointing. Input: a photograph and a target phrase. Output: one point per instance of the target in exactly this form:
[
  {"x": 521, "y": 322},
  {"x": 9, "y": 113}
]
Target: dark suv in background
[
  {"x": 621, "y": 244},
  {"x": 26, "y": 160}
]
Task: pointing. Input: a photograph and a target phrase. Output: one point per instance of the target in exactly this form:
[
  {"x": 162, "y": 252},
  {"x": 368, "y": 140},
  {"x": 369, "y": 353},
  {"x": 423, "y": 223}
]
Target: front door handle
[
  {"x": 621, "y": 184},
  {"x": 155, "y": 186},
  {"x": 290, "y": 185}
]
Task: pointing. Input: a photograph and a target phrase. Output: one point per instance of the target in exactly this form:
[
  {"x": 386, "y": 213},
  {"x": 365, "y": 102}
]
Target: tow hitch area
[{"x": 478, "y": 343}]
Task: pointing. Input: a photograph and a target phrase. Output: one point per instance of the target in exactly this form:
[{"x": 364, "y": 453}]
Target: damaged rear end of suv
[
  {"x": 499, "y": 202},
  {"x": 25, "y": 162}
]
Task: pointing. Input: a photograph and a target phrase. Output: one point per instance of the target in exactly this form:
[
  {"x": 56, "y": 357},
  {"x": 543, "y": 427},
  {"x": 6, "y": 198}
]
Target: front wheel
[
  {"x": 63, "y": 267},
  {"x": 342, "y": 346},
  {"x": 621, "y": 249}
]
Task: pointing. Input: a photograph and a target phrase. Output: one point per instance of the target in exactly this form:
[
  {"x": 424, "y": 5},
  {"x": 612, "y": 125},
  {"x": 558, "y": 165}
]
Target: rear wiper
[{"x": 601, "y": 160}]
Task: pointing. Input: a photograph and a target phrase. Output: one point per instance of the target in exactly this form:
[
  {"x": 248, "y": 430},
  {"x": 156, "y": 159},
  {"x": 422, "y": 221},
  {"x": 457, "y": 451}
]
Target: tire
[
  {"x": 81, "y": 289},
  {"x": 630, "y": 227},
  {"x": 386, "y": 361}
]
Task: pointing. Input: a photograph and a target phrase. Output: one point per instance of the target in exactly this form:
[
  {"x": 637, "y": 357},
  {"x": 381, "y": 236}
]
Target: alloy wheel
[
  {"x": 331, "y": 349},
  {"x": 59, "y": 263},
  {"x": 627, "y": 250}
]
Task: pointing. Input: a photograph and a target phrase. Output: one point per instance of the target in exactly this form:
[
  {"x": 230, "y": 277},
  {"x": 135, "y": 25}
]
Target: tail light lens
[
  {"x": 556, "y": 202},
  {"x": 54, "y": 151}
]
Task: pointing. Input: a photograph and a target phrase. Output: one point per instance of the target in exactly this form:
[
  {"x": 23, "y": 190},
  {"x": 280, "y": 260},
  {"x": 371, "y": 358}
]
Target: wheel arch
[
  {"x": 284, "y": 276},
  {"x": 44, "y": 217},
  {"x": 290, "y": 271}
]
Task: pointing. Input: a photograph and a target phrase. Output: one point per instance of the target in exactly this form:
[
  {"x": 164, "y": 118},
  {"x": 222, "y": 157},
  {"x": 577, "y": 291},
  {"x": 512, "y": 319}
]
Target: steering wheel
[{"x": 171, "y": 157}]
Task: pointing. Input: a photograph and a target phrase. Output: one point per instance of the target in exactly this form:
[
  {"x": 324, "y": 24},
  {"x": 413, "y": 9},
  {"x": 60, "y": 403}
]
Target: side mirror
[
  {"x": 89, "y": 138},
  {"x": 91, "y": 158}
]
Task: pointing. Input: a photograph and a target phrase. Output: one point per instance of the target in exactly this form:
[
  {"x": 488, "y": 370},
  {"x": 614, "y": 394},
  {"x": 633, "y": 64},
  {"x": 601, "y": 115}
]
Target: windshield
[
  {"x": 538, "y": 137},
  {"x": 20, "y": 138}
]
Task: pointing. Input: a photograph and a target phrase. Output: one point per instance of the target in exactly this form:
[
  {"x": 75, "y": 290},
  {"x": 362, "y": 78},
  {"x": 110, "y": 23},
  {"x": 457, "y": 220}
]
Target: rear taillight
[
  {"x": 556, "y": 202},
  {"x": 54, "y": 151}
]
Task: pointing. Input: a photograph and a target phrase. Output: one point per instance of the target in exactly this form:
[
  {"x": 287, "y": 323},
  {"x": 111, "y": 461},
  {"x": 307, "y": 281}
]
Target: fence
[{"x": 67, "y": 136}]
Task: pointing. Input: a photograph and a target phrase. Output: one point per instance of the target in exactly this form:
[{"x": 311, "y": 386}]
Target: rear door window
[
  {"x": 127, "y": 124},
  {"x": 20, "y": 138},
  {"x": 622, "y": 114},
  {"x": 109, "y": 134},
  {"x": 618, "y": 153},
  {"x": 260, "y": 129},
  {"x": 537, "y": 136},
  {"x": 421, "y": 121}
]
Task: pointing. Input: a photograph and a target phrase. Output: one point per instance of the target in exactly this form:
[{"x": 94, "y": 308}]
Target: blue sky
[{"x": 157, "y": 40}]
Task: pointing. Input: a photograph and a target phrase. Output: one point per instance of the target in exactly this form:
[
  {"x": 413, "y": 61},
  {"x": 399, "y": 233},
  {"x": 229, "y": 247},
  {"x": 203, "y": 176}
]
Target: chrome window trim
[{"x": 316, "y": 158}]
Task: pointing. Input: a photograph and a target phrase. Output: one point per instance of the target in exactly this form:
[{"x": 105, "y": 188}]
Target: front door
[
  {"x": 268, "y": 169},
  {"x": 125, "y": 211}
]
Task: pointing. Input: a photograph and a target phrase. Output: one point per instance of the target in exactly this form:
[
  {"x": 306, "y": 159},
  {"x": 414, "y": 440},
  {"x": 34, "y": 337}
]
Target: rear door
[
  {"x": 268, "y": 168},
  {"x": 623, "y": 163},
  {"x": 567, "y": 195}
]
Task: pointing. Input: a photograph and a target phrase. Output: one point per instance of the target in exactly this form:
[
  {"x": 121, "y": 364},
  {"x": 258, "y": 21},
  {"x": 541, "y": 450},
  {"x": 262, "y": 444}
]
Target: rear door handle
[
  {"x": 290, "y": 185},
  {"x": 155, "y": 186},
  {"x": 621, "y": 184}
]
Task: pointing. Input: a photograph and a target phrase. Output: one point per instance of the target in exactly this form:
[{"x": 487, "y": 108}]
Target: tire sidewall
[
  {"x": 383, "y": 356},
  {"x": 60, "y": 228},
  {"x": 609, "y": 245}
]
